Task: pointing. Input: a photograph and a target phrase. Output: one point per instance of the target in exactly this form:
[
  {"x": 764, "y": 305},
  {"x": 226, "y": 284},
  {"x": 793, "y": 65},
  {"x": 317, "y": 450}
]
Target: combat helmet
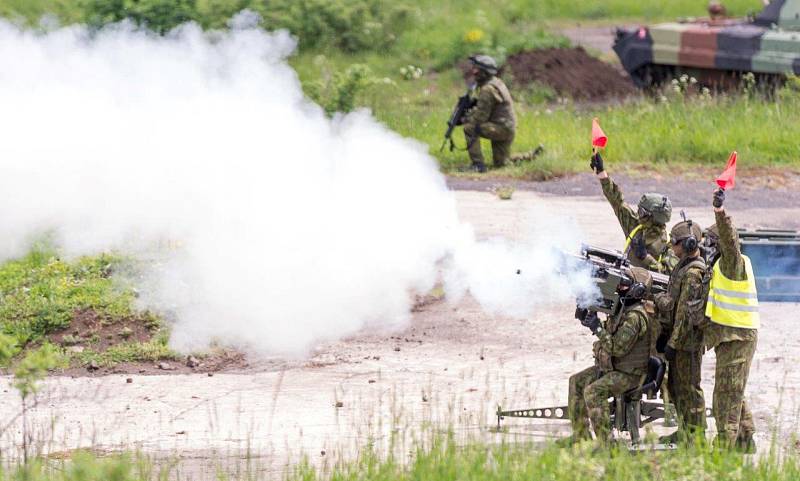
[
  {"x": 655, "y": 206},
  {"x": 711, "y": 235},
  {"x": 485, "y": 63}
]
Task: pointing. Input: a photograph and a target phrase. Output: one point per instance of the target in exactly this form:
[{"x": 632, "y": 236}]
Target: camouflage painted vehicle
[{"x": 715, "y": 50}]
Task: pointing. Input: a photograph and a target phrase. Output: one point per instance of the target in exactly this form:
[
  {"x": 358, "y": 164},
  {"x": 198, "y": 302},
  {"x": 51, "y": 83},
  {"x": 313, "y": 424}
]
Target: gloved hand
[
  {"x": 638, "y": 247},
  {"x": 596, "y": 163},
  {"x": 670, "y": 353},
  {"x": 592, "y": 321},
  {"x": 661, "y": 342},
  {"x": 719, "y": 198}
]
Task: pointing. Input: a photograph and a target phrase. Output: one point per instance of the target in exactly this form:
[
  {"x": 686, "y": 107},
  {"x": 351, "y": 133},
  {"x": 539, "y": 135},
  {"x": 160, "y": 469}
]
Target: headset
[
  {"x": 636, "y": 290},
  {"x": 690, "y": 243}
]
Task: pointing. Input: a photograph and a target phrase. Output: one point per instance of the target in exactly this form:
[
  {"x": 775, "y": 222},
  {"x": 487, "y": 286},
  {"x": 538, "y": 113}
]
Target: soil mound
[{"x": 571, "y": 72}]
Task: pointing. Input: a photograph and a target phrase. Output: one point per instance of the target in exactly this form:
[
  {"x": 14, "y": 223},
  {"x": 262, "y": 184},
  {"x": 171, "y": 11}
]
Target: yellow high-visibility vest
[{"x": 733, "y": 303}]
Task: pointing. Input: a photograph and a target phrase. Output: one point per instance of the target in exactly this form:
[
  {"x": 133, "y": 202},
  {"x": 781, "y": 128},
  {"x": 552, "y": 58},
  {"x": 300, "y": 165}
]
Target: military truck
[{"x": 716, "y": 50}]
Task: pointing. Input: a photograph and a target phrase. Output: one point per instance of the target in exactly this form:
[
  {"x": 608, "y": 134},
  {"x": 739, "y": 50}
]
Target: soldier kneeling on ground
[
  {"x": 621, "y": 355},
  {"x": 492, "y": 118}
]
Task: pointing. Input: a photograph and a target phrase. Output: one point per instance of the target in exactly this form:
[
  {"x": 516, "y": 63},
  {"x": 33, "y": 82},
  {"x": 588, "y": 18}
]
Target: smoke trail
[{"x": 293, "y": 228}]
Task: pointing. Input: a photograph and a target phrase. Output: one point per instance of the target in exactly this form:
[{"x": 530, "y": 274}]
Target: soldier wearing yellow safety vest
[
  {"x": 645, "y": 228},
  {"x": 733, "y": 331}
]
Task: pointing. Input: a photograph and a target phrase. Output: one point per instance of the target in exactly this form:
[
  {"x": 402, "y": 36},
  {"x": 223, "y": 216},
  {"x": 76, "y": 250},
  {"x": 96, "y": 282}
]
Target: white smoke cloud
[{"x": 292, "y": 228}]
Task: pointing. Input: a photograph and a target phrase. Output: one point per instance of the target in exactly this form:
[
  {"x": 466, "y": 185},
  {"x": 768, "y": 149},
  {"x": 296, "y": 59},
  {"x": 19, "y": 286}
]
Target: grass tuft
[{"x": 76, "y": 305}]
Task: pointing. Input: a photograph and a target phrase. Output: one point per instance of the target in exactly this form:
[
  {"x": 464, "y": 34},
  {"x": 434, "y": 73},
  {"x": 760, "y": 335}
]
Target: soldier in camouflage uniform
[
  {"x": 647, "y": 244},
  {"x": 621, "y": 354},
  {"x": 492, "y": 118},
  {"x": 734, "y": 345},
  {"x": 682, "y": 309}
]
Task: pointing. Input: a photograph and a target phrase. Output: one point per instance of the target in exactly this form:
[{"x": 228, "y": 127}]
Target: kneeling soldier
[
  {"x": 492, "y": 117},
  {"x": 621, "y": 354}
]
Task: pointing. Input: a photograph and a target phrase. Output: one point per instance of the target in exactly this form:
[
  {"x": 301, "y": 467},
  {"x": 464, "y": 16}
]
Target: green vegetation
[
  {"x": 331, "y": 15},
  {"x": 76, "y": 306},
  {"x": 337, "y": 91},
  {"x": 155, "y": 349},
  {"x": 398, "y": 58},
  {"x": 444, "y": 460},
  {"x": 675, "y": 130}
]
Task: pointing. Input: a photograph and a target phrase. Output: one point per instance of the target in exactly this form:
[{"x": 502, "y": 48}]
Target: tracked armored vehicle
[{"x": 716, "y": 51}]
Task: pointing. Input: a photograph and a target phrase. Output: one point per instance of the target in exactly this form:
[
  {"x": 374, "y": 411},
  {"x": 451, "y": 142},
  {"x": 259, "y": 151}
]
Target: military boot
[
  {"x": 746, "y": 444},
  {"x": 525, "y": 156},
  {"x": 479, "y": 167}
]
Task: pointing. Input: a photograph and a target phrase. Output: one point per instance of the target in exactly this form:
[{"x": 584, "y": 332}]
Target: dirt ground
[
  {"x": 451, "y": 366},
  {"x": 761, "y": 188},
  {"x": 572, "y": 73}
]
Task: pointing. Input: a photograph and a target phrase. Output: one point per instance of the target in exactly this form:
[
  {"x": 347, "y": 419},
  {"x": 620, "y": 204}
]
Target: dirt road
[{"x": 451, "y": 366}]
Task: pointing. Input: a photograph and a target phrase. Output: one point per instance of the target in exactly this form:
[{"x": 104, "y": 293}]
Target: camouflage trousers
[
  {"x": 733, "y": 416},
  {"x": 687, "y": 395},
  {"x": 501, "y": 136},
  {"x": 588, "y": 400}
]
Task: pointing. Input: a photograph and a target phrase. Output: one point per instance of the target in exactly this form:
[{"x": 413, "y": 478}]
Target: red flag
[
  {"x": 727, "y": 179},
  {"x": 599, "y": 138}
]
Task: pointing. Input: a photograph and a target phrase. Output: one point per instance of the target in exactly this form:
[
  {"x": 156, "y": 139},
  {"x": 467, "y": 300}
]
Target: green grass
[
  {"x": 41, "y": 293},
  {"x": 444, "y": 460},
  {"x": 156, "y": 349},
  {"x": 31, "y": 11},
  {"x": 679, "y": 132},
  {"x": 449, "y": 12},
  {"x": 442, "y": 32}
]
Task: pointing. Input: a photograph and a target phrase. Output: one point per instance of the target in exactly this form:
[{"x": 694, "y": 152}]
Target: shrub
[
  {"x": 349, "y": 25},
  {"x": 158, "y": 15},
  {"x": 337, "y": 92}
]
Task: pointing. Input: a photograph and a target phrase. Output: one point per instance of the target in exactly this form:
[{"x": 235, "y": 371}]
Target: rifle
[{"x": 464, "y": 103}]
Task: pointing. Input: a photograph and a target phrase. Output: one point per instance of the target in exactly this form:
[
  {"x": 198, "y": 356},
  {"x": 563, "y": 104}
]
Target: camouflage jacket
[
  {"x": 682, "y": 307},
  {"x": 494, "y": 105},
  {"x": 626, "y": 341},
  {"x": 732, "y": 266},
  {"x": 655, "y": 236}
]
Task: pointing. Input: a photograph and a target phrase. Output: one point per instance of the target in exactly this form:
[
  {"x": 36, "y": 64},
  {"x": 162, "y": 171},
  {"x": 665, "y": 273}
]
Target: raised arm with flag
[
  {"x": 732, "y": 308},
  {"x": 646, "y": 240}
]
